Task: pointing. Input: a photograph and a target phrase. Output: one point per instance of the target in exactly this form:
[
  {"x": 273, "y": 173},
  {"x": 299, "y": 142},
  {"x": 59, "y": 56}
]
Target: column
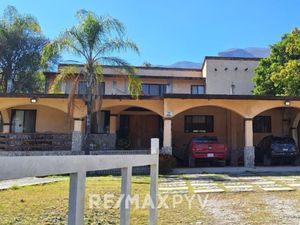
[
  {"x": 77, "y": 135},
  {"x": 113, "y": 124},
  {"x": 6, "y": 128},
  {"x": 167, "y": 144},
  {"x": 249, "y": 150}
]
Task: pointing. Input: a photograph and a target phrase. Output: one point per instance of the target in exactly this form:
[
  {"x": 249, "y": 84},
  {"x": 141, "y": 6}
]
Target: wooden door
[{"x": 141, "y": 129}]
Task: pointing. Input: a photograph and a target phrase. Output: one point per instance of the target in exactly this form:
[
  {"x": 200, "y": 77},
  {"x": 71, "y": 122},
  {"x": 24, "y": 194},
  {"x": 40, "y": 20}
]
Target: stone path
[
  {"x": 28, "y": 181},
  {"x": 217, "y": 183}
]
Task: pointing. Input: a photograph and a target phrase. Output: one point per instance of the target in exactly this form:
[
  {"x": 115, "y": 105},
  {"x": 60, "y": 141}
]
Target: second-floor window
[
  {"x": 82, "y": 87},
  {"x": 197, "y": 89},
  {"x": 154, "y": 89}
]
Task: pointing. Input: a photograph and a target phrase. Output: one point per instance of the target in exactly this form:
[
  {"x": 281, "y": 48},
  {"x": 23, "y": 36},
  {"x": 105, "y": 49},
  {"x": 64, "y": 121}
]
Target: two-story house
[{"x": 175, "y": 105}]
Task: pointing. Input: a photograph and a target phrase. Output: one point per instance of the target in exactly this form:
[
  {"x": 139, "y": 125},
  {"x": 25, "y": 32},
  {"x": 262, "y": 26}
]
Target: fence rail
[
  {"x": 77, "y": 166},
  {"x": 35, "y": 142}
]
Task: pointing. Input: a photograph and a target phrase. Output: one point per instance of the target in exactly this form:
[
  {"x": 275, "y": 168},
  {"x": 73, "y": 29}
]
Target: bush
[
  {"x": 123, "y": 144},
  {"x": 166, "y": 163}
]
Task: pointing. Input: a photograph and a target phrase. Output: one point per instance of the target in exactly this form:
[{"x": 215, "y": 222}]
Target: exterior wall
[
  {"x": 180, "y": 79},
  {"x": 49, "y": 119},
  {"x": 219, "y": 80}
]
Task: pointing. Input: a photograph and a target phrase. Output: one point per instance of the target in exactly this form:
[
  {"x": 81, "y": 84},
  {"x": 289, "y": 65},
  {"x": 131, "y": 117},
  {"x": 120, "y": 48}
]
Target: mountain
[
  {"x": 186, "y": 64},
  {"x": 233, "y": 52},
  {"x": 246, "y": 52}
]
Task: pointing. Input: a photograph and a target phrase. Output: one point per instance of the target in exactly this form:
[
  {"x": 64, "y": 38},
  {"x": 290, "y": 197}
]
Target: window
[
  {"x": 23, "y": 121},
  {"x": 154, "y": 89},
  {"x": 199, "y": 124},
  {"x": 101, "y": 88},
  {"x": 65, "y": 87},
  {"x": 262, "y": 124},
  {"x": 197, "y": 89},
  {"x": 100, "y": 122},
  {"x": 82, "y": 87}
]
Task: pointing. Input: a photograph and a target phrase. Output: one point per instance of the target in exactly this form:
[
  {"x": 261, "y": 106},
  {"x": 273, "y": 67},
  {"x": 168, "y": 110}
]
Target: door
[
  {"x": 141, "y": 129},
  {"x": 23, "y": 121}
]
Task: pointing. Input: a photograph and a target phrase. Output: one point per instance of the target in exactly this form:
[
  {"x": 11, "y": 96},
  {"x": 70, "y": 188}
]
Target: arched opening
[
  {"x": 274, "y": 132},
  {"x": 36, "y": 128},
  {"x": 212, "y": 121},
  {"x": 38, "y": 119},
  {"x": 133, "y": 126}
]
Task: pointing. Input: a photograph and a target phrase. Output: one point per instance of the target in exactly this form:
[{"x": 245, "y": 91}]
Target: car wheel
[
  {"x": 296, "y": 161},
  {"x": 267, "y": 161},
  {"x": 191, "y": 161}
]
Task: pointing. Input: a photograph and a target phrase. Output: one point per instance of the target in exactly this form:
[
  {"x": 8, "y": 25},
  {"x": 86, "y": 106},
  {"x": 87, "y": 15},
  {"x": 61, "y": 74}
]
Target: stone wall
[{"x": 104, "y": 141}]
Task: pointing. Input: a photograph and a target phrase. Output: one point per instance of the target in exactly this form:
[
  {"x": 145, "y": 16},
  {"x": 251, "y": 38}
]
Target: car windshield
[
  {"x": 280, "y": 140},
  {"x": 205, "y": 139}
]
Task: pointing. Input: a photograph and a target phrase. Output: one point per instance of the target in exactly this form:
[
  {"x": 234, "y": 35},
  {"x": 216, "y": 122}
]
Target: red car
[{"x": 206, "y": 148}]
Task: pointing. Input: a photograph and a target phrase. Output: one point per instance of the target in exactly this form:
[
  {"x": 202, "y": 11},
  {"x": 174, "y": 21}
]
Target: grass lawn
[{"x": 47, "y": 204}]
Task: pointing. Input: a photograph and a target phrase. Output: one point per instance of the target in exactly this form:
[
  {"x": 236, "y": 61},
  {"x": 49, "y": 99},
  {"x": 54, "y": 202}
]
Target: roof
[
  {"x": 164, "y": 70},
  {"x": 229, "y": 58},
  {"x": 140, "y": 67},
  {"x": 180, "y": 96}
]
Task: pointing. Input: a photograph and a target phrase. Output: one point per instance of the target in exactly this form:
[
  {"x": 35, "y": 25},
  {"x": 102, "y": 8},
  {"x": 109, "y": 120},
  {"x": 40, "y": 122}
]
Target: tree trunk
[
  {"x": 87, "y": 142},
  {"x": 89, "y": 106}
]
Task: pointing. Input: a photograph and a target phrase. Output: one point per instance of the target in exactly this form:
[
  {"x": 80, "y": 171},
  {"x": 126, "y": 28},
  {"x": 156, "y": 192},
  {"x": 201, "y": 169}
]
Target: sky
[{"x": 168, "y": 31}]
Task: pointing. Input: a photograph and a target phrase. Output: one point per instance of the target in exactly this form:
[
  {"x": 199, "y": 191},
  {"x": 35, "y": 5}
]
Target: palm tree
[{"x": 95, "y": 39}]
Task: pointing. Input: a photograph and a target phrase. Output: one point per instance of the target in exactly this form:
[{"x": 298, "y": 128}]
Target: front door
[
  {"x": 140, "y": 129},
  {"x": 23, "y": 121}
]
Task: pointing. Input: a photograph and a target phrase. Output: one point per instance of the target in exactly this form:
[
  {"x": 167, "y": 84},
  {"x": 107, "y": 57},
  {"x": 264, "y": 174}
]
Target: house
[{"x": 175, "y": 105}]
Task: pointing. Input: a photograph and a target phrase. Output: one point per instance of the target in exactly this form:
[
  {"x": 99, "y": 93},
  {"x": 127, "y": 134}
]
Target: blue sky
[{"x": 168, "y": 31}]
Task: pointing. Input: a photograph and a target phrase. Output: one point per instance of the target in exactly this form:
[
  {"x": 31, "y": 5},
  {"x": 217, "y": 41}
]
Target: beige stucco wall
[
  {"x": 220, "y": 81},
  {"x": 49, "y": 119}
]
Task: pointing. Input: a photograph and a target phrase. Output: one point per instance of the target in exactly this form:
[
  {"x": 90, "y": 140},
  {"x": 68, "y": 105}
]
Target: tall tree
[
  {"x": 279, "y": 74},
  {"x": 21, "y": 44},
  {"x": 96, "y": 39}
]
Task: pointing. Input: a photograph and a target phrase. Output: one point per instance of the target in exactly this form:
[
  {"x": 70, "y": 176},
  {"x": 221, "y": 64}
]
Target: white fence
[{"x": 77, "y": 166}]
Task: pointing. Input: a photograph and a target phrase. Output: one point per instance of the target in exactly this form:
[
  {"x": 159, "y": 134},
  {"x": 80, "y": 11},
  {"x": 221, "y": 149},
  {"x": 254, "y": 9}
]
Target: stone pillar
[
  {"x": 6, "y": 128},
  {"x": 167, "y": 144},
  {"x": 249, "y": 150},
  {"x": 113, "y": 124},
  {"x": 77, "y": 135}
]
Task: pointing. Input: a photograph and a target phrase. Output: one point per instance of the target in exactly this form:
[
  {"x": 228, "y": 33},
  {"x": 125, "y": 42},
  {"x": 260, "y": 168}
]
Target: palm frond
[
  {"x": 116, "y": 45},
  {"x": 67, "y": 73}
]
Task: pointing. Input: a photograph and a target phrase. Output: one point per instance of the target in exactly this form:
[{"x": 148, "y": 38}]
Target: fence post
[
  {"x": 76, "y": 198},
  {"x": 125, "y": 194},
  {"x": 154, "y": 182}
]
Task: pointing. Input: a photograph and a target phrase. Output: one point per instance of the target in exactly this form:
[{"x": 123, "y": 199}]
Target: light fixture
[
  {"x": 33, "y": 100},
  {"x": 287, "y": 103}
]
